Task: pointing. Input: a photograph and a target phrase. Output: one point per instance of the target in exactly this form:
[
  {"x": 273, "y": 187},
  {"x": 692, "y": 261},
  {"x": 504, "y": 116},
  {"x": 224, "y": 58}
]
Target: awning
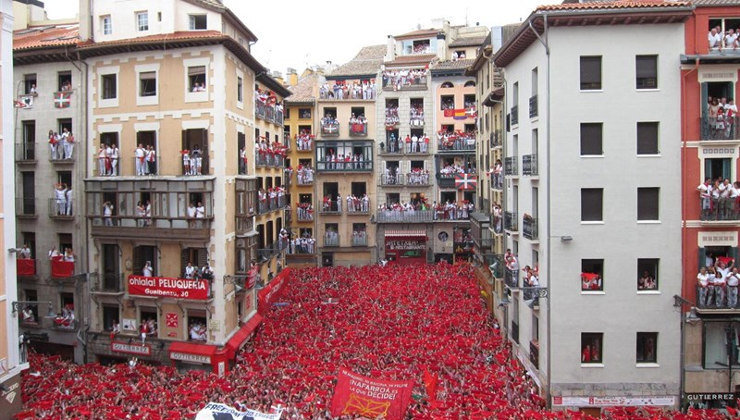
[
  {"x": 238, "y": 340},
  {"x": 192, "y": 353},
  {"x": 411, "y": 234}
]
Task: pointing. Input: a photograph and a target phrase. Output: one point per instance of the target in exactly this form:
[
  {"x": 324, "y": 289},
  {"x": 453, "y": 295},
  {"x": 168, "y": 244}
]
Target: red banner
[
  {"x": 25, "y": 267},
  {"x": 371, "y": 398},
  {"x": 266, "y": 295},
  {"x": 195, "y": 289},
  {"x": 62, "y": 269}
]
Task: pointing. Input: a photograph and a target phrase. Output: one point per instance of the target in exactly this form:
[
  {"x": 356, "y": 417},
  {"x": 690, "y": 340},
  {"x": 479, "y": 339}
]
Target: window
[
  {"x": 142, "y": 21},
  {"x": 110, "y": 316},
  {"x": 240, "y": 89},
  {"x": 65, "y": 80},
  {"x": 647, "y": 203},
  {"x": 592, "y": 203},
  {"x": 590, "y": 72},
  {"x": 647, "y": 138},
  {"x": 592, "y": 139},
  {"x": 197, "y": 79},
  {"x": 198, "y": 22},
  {"x": 718, "y": 336},
  {"x": 29, "y": 84},
  {"x": 304, "y": 113},
  {"x": 647, "y": 273},
  {"x": 592, "y": 347},
  {"x": 27, "y": 148},
  {"x": 646, "y": 71},
  {"x": 148, "y": 83},
  {"x": 647, "y": 346},
  {"x": 592, "y": 272},
  {"x": 109, "y": 86},
  {"x": 105, "y": 24}
]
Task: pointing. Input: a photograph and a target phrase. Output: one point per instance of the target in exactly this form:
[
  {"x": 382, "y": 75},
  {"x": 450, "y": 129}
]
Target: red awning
[
  {"x": 182, "y": 347},
  {"x": 415, "y": 234},
  {"x": 238, "y": 340}
]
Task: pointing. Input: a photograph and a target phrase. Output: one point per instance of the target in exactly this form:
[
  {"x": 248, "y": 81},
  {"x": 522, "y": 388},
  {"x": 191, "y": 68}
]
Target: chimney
[
  {"x": 441, "y": 46},
  {"x": 85, "y": 17},
  {"x": 292, "y": 76},
  {"x": 390, "y": 50},
  {"x": 497, "y": 37}
]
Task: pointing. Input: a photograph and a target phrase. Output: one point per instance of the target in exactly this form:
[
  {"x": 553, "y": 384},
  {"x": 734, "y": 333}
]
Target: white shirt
[
  {"x": 191, "y": 211},
  {"x": 703, "y": 279}
]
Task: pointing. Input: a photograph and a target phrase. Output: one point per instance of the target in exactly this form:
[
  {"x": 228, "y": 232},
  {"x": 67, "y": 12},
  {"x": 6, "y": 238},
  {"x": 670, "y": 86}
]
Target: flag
[
  {"x": 430, "y": 383},
  {"x": 460, "y": 114},
  {"x": 62, "y": 99},
  {"x": 24, "y": 101},
  {"x": 465, "y": 181},
  {"x": 171, "y": 318}
]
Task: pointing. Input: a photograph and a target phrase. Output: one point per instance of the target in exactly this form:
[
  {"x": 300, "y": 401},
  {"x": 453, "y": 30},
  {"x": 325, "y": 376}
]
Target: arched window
[
  {"x": 470, "y": 83},
  {"x": 447, "y": 85}
]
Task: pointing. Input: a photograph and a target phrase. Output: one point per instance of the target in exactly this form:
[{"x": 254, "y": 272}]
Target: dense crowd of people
[
  {"x": 382, "y": 322},
  {"x": 449, "y": 210},
  {"x": 717, "y": 283},
  {"x": 270, "y": 153},
  {"x": 457, "y": 140},
  {"x": 304, "y": 140}
]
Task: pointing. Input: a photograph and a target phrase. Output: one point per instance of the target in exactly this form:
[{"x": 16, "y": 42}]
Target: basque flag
[{"x": 465, "y": 181}]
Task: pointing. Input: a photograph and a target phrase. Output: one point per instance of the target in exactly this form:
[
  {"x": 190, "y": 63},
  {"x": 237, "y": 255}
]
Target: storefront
[
  {"x": 406, "y": 246},
  {"x": 192, "y": 356}
]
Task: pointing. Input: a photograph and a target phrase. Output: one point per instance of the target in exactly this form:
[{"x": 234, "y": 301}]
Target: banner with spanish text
[
  {"x": 371, "y": 398},
  {"x": 195, "y": 289},
  {"x": 224, "y": 412}
]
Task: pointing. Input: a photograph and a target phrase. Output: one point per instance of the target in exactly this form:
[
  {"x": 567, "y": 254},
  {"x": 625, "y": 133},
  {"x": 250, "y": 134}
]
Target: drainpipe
[{"x": 544, "y": 42}]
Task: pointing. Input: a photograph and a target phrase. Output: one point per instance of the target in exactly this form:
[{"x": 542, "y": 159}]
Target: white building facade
[{"x": 593, "y": 201}]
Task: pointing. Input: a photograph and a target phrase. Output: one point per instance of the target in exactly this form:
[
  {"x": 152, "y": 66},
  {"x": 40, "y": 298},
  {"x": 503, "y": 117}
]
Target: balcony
[
  {"x": 305, "y": 177},
  {"x": 304, "y": 143},
  {"x": 62, "y": 269},
  {"x": 269, "y": 160},
  {"x": 108, "y": 283},
  {"x": 415, "y": 216},
  {"x": 453, "y": 144},
  {"x": 269, "y": 205},
  {"x": 357, "y": 166},
  {"x": 515, "y": 115},
  {"x": 414, "y": 80},
  {"x": 445, "y": 180},
  {"x": 391, "y": 148},
  {"x": 495, "y": 263},
  {"x": 266, "y": 254},
  {"x": 497, "y": 181},
  {"x": 416, "y": 121},
  {"x": 330, "y": 129},
  {"x": 331, "y": 239},
  {"x": 711, "y": 298},
  {"x": 269, "y": 113},
  {"x": 392, "y": 180},
  {"x": 160, "y": 227},
  {"x": 714, "y": 129},
  {"x": 534, "y": 353},
  {"x": 331, "y": 207},
  {"x": 510, "y": 166},
  {"x": 61, "y": 209},
  {"x": 25, "y": 267},
  {"x": 194, "y": 166},
  {"x": 358, "y": 206},
  {"x": 25, "y": 153},
  {"x": 25, "y": 207},
  {"x": 359, "y": 239},
  {"x": 418, "y": 179},
  {"x": 510, "y": 221},
  {"x": 533, "y": 106},
  {"x": 358, "y": 129},
  {"x": 529, "y": 165},
  {"x": 304, "y": 214},
  {"x": 511, "y": 278},
  {"x": 529, "y": 228},
  {"x": 496, "y": 139},
  {"x": 306, "y": 246},
  {"x": 719, "y": 210}
]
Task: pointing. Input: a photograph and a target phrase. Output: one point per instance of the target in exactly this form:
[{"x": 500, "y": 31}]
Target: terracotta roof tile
[
  {"x": 618, "y": 4},
  {"x": 468, "y": 41},
  {"x": 710, "y": 3},
  {"x": 304, "y": 90},
  {"x": 453, "y": 65},
  {"x": 419, "y": 33},
  {"x": 367, "y": 61},
  {"x": 45, "y": 36},
  {"x": 411, "y": 59}
]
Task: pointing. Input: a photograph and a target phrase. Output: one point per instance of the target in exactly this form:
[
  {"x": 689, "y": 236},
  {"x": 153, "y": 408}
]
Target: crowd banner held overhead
[
  {"x": 371, "y": 398},
  {"x": 224, "y": 412},
  {"x": 271, "y": 291},
  {"x": 193, "y": 289}
]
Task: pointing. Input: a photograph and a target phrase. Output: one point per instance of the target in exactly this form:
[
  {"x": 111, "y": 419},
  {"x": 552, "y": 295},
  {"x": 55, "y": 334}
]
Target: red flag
[{"x": 430, "y": 383}]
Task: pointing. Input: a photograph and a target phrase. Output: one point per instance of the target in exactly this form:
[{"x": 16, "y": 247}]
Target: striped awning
[{"x": 419, "y": 234}]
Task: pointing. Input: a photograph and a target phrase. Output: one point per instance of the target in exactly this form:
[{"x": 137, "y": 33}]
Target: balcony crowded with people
[
  {"x": 405, "y": 79},
  {"x": 348, "y": 89},
  {"x": 267, "y": 106}
]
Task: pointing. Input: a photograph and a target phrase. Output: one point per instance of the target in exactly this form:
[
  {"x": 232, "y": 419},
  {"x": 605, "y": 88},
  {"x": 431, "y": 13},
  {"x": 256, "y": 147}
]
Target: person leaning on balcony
[
  {"x": 60, "y": 196},
  {"x": 53, "y": 142},
  {"x": 705, "y": 194},
  {"x": 140, "y": 160},
  {"x": 151, "y": 160},
  {"x": 25, "y": 252},
  {"x": 715, "y": 39},
  {"x": 108, "y": 213},
  {"x": 114, "y": 156},
  {"x": 719, "y": 283},
  {"x": 190, "y": 271},
  {"x": 733, "y": 279},
  {"x": 101, "y": 160}
]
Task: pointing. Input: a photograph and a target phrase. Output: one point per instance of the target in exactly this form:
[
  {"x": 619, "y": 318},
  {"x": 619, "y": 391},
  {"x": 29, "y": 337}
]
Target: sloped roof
[
  {"x": 305, "y": 90},
  {"x": 366, "y": 62},
  {"x": 453, "y": 65},
  {"x": 419, "y": 33},
  {"x": 712, "y": 3},
  {"x": 471, "y": 41},
  {"x": 617, "y": 4},
  {"x": 46, "y": 36},
  {"x": 174, "y": 36},
  {"x": 407, "y": 60}
]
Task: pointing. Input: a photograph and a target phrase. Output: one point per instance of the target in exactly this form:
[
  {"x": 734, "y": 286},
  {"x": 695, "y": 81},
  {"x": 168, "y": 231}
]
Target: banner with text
[
  {"x": 271, "y": 291},
  {"x": 196, "y": 289},
  {"x": 224, "y": 412},
  {"x": 371, "y": 398}
]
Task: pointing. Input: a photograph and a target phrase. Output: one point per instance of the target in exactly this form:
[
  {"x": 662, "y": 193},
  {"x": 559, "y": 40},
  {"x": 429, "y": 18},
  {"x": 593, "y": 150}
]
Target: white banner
[
  {"x": 216, "y": 411},
  {"x": 612, "y": 401}
]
